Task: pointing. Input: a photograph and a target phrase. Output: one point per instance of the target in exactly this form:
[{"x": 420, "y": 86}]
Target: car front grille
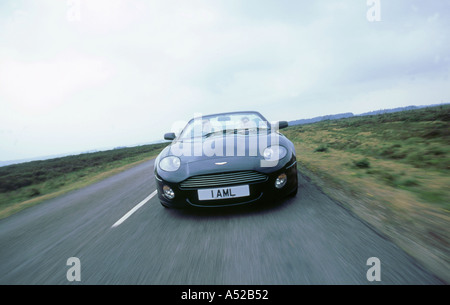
[{"x": 223, "y": 179}]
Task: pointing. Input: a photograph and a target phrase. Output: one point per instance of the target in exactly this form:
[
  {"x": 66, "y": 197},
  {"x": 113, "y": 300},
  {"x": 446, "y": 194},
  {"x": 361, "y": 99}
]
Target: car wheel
[
  {"x": 294, "y": 193},
  {"x": 167, "y": 207}
]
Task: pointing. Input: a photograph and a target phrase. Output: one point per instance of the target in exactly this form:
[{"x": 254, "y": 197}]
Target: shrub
[
  {"x": 34, "y": 192},
  {"x": 363, "y": 163},
  {"x": 390, "y": 179},
  {"x": 321, "y": 148},
  {"x": 409, "y": 182}
]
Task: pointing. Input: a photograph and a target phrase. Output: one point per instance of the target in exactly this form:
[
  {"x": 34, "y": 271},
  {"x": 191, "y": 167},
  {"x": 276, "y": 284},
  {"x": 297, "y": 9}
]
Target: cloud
[
  {"x": 125, "y": 70},
  {"x": 37, "y": 87}
]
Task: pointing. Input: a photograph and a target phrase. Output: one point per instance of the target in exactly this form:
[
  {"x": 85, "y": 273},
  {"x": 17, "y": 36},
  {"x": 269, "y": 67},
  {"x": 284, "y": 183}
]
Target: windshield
[{"x": 243, "y": 123}]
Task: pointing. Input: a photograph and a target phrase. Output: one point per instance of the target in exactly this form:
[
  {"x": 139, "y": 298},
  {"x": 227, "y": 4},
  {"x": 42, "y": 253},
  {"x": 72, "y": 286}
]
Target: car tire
[
  {"x": 165, "y": 206},
  {"x": 294, "y": 193}
]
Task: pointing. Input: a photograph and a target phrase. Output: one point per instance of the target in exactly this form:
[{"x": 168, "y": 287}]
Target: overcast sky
[{"x": 89, "y": 74}]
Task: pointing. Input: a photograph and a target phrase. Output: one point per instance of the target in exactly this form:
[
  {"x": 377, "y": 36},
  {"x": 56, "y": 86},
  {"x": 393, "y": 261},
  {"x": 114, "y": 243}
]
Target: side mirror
[
  {"x": 281, "y": 124},
  {"x": 170, "y": 136}
]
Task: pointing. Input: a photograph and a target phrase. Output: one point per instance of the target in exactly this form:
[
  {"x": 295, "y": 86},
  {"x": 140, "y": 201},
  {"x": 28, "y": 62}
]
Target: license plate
[{"x": 224, "y": 192}]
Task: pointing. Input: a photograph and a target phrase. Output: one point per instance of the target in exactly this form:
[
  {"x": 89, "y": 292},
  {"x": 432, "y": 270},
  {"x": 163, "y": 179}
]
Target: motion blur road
[{"x": 309, "y": 239}]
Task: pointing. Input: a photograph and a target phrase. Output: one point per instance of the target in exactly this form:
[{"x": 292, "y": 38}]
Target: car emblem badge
[{"x": 221, "y": 163}]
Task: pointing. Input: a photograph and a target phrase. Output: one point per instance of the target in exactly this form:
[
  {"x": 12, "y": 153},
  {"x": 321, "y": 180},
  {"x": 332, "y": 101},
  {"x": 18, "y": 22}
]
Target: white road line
[{"x": 139, "y": 205}]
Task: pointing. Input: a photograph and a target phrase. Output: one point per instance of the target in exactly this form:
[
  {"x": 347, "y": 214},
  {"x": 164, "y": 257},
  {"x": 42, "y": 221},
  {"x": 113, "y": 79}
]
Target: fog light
[
  {"x": 281, "y": 181},
  {"x": 168, "y": 192}
]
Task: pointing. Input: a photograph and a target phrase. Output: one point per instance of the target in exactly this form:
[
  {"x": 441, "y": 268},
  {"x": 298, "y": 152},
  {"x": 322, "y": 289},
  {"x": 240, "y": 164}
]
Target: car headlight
[
  {"x": 170, "y": 164},
  {"x": 274, "y": 153}
]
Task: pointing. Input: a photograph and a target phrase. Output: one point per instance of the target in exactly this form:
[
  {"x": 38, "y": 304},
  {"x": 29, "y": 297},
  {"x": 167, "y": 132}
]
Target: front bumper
[{"x": 259, "y": 191}]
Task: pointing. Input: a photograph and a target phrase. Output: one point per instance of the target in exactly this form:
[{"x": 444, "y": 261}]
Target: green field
[
  {"x": 26, "y": 184},
  {"x": 405, "y": 150},
  {"x": 392, "y": 170}
]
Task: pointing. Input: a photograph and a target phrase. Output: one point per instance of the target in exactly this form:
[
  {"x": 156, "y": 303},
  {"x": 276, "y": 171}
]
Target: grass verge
[
  {"x": 392, "y": 171},
  {"x": 25, "y": 185}
]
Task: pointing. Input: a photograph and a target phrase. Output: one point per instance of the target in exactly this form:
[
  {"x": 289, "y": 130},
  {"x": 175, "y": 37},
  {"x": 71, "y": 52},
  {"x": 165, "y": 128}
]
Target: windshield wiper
[
  {"x": 223, "y": 131},
  {"x": 235, "y": 131},
  {"x": 207, "y": 135}
]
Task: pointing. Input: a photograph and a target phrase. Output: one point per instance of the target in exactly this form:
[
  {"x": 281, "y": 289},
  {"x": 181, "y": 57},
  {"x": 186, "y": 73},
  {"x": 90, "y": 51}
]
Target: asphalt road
[{"x": 309, "y": 239}]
